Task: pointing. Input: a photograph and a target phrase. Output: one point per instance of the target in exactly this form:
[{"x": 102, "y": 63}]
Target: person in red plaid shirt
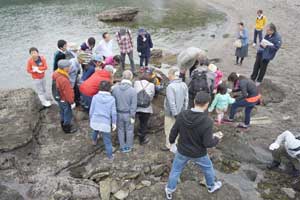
[{"x": 124, "y": 39}]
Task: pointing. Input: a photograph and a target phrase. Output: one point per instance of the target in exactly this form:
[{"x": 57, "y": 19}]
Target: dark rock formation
[{"x": 118, "y": 14}]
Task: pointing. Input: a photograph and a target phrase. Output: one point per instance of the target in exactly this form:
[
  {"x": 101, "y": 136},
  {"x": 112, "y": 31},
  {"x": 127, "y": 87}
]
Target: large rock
[
  {"x": 19, "y": 118},
  {"x": 118, "y": 14},
  {"x": 9, "y": 194}
]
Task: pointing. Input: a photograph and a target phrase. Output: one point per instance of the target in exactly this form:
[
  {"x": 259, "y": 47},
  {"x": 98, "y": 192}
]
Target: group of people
[{"x": 85, "y": 77}]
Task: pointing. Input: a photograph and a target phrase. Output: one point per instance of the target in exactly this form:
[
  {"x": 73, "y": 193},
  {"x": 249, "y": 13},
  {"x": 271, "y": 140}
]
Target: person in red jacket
[
  {"x": 90, "y": 87},
  {"x": 36, "y": 66},
  {"x": 65, "y": 95}
]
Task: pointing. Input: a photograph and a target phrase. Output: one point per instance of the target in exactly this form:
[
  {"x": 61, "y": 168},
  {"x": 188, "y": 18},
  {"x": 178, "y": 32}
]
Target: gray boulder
[{"x": 118, "y": 14}]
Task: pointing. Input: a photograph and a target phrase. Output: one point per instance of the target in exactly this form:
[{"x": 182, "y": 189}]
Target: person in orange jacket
[
  {"x": 36, "y": 66},
  {"x": 64, "y": 95}
]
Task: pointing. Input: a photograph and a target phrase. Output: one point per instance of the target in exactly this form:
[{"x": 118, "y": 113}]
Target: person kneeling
[
  {"x": 290, "y": 152},
  {"x": 195, "y": 136}
]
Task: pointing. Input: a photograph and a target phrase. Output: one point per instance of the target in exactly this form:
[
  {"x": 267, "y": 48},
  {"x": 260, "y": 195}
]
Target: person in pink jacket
[{"x": 219, "y": 75}]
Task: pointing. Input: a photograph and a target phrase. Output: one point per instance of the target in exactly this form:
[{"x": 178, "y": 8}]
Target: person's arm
[
  {"x": 130, "y": 37},
  {"x": 29, "y": 67},
  {"x": 174, "y": 131},
  {"x": 118, "y": 39},
  {"x": 276, "y": 45},
  {"x": 264, "y": 20},
  {"x": 133, "y": 105},
  {"x": 138, "y": 46},
  {"x": 88, "y": 73},
  {"x": 214, "y": 103},
  {"x": 92, "y": 108},
  {"x": 186, "y": 97},
  {"x": 68, "y": 92},
  {"x": 285, "y": 136},
  {"x": 114, "y": 112},
  {"x": 151, "y": 91},
  {"x": 150, "y": 42},
  {"x": 209, "y": 140},
  {"x": 243, "y": 89},
  {"x": 44, "y": 66},
  {"x": 230, "y": 99},
  {"x": 171, "y": 100}
]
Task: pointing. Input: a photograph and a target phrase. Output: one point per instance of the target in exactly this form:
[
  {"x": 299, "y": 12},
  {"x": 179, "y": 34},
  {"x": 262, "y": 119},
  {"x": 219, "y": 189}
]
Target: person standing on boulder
[
  {"x": 144, "y": 46},
  {"x": 290, "y": 152},
  {"x": 194, "y": 129},
  {"x": 37, "y": 66},
  {"x": 126, "y": 102},
  {"x": 177, "y": 99},
  {"x": 125, "y": 42},
  {"x": 249, "y": 97},
  {"x": 260, "y": 23},
  {"x": 265, "y": 53},
  {"x": 242, "y": 51},
  {"x": 65, "y": 93}
]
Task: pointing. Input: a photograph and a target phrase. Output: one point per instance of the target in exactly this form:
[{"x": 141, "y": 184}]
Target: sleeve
[
  {"x": 44, "y": 67},
  {"x": 133, "y": 105},
  {"x": 150, "y": 42},
  {"x": 285, "y": 136},
  {"x": 92, "y": 107},
  {"x": 243, "y": 35},
  {"x": 88, "y": 73},
  {"x": 151, "y": 91},
  {"x": 138, "y": 42},
  {"x": 243, "y": 88},
  {"x": 114, "y": 112},
  {"x": 208, "y": 140},
  {"x": 213, "y": 104},
  {"x": 230, "y": 99},
  {"x": 68, "y": 92},
  {"x": 29, "y": 67},
  {"x": 118, "y": 39},
  {"x": 174, "y": 131},
  {"x": 277, "y": 44},
  {"x": 265, "y": 21},
  {"x": 171, "y": 100},
  {"x": 186, "y": 98}
]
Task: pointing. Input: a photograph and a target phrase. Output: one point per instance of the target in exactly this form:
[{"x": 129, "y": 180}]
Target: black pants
[
  {"x": 142, "y": 60},
  {"x": 143, "y": 118},
  {"x": 259, "y": 69}
]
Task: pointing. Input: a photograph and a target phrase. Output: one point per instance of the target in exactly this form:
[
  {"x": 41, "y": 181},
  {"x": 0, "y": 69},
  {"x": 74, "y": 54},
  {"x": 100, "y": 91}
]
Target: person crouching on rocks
[
  {"x": 103, "y": 116},
  {"x": 144, "y": 46},
  {"x": 194, "y": 129},
  {"x": 36, "y": 66},
  {"x": 249, "y": 98},
  {"x": 290, "y": 152},
  {"x": 126, "y": 102},
  {"x": 65, "y": 95}
]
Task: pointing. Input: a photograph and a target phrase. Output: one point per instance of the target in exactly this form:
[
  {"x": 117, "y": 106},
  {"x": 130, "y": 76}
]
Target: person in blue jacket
[
  {"x": 265, "y": 53},
  {"x": 144, "y": 46},
  {"x": 242, "y": 52}
]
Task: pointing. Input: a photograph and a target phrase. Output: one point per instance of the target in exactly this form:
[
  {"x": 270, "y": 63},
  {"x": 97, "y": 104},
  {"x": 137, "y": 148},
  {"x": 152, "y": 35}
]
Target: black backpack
[
  {"x": 198, "y": 82},
  {"x": 55, "y": 91},
  {"x": 143, "y": 98}
]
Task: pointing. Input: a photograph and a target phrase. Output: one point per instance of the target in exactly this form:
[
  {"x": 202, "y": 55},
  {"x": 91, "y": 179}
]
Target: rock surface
[{"x": 118, "y": 14}]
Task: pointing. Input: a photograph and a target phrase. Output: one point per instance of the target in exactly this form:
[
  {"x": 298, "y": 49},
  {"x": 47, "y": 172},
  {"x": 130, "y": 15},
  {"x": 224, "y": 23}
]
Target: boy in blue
[
  {"x": 221, "y": 102},
  {"x": 103, "y": 116}
]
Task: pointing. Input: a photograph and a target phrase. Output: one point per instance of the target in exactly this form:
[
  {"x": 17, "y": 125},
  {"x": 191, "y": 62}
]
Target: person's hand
[
  {"x": 218, "y": 135},
  {"x": 264, "y": 45},
  {"x": 173, "y": 148},
  {"x": 274, "y": 146},
  {"x": 132, "y": 120},
  {"x": 73, "y": 105},
  {"x": 114, "y": 127},
  {"x": 35, "y": 68},
  {"x": 140, "y": 54},
  {"x": 151, "y": 49}
]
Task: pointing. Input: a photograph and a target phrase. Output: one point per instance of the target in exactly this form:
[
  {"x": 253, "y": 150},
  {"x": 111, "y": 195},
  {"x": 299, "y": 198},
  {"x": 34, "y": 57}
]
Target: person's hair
[
  {"x": 127, "y": 75},
  {"x": 105, "y": 86},
  {"x": 272, "y": 27},
  {"x": 233, "y": 77},
  {"x": 241, "y": 23},
  {"x": 91, "y": 41},
  {"x": 202, "y": 98},
  {"x": 61, "y": 43},
  {"x": 222, "y": 89},
  {"x": 146, "y": 76},
  {"x": 33, "y": 49},
  {"x": 117, "y": 58},
  {"x": 104, "y": 35},
  {"x": 260, "y": 11},
  {"x": 174, "y": 71}
]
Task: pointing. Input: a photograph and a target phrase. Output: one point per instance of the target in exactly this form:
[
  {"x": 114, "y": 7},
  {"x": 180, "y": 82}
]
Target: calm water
[{"x": 174, "y": 24}]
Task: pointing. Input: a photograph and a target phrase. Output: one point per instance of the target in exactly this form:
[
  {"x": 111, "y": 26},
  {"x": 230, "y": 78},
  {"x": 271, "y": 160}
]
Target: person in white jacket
[{"x": 290, "y": 152}]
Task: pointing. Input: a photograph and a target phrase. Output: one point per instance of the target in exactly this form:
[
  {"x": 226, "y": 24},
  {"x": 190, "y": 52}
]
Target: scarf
[{"x": 62, "y": 72}]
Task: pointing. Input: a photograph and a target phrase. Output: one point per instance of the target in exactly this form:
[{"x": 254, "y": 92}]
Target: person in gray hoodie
[
  {"x": 177, "y": 98},
  {"x": 126, "y": 102}
]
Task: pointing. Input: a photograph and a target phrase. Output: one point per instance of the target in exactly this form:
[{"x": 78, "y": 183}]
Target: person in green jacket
[{"x": 221, "y": 102}]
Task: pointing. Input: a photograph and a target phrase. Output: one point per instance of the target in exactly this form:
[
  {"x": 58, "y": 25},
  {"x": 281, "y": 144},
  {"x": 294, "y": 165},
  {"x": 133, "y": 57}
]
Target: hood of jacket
[
  {"x": 104, "y": 97},
  {"x": 57, "y": 74},
  {"x": 192, "y": 119},
  {"x": 125, "y": 85}
]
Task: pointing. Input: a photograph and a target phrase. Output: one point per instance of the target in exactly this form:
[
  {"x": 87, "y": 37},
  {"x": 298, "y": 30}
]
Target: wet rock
[
  {"x": 62, "y": 195},
  {"x": 271, "y": 93},
  {"x": 251, "y": 174},
  {"x": 9, "y": 194},
  {"x": 132, "y": 175},
  {"x": 296, "y": 185},
  {"x": 115, "y": 187},
  {"x": 118, "y": 14},
  {"x": 96, "y": 170},
  {"x": 289, "y": 192},
  {"x": 131, "y": 187},
  {"x": 18, "y": 108},
  {"x": 121, "y": 194},
  {"x": 105, "y": 189},
  {"x": 227, "y": 165},
  {"x": 146, "y": 183},
  {"x": 100, "y": 176},
  {"x": 156, "y": 53},
  {"x": 158, "y": 170}
]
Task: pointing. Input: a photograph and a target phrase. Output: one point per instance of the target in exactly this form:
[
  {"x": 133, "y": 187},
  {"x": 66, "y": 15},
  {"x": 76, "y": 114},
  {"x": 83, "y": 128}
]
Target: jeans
[
  {"x": 143, "y": 118},
  {"x": 125, "y": 130},
  {"x": 180, "y": 162},
  {"x": 106, "y": 140},
  {"x": 260, "y": 35},
  {"x": 130, "y": 55},
  {"x": 259, "y": 69},
  {"x": 248, "y": 108},
  {"x": 86, "y": 101},
  {"x": 65, "y": 113},
  {"x": 142, "y": 60}
]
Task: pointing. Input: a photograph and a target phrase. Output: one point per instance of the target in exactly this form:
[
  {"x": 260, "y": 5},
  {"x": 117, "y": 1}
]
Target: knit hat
[
  {"x": 63, "y": 64},
  {"x": 213, "y": 68},
  {"x": 142, "y": 31},
  {"x": 97, "y": 58},
  {"x": 110, "y": 68}
]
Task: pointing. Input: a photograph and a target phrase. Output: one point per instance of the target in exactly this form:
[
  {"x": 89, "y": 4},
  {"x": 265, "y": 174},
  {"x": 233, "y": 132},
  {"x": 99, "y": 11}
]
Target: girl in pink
[{"x": 219, "y": 75}]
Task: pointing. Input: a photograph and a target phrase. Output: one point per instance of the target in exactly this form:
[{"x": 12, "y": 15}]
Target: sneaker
[
  {"x": 126, "y": 150},
  {"x": 217, "y": 186},
  {"x": 164, "y": 149},
  {"x": 144, "y": 141},
  {"x": 273, "y": 165},
  {"x": 243, "y": 126},
  {"x": 168, "y": 194}
]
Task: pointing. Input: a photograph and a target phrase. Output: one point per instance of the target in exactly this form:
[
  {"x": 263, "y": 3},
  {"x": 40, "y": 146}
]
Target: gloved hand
[
  {"x": 132, "y": 120},
  {"x": 114, "y": 127},
  {"x": 173, "y": 148},
  {"x": 73, "y": 105},
  {"x": 274, "y": 146}
]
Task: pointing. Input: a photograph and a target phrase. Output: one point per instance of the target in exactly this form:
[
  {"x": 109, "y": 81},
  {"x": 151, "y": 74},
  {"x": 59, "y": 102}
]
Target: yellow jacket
[{"x": 260, "y": 23}]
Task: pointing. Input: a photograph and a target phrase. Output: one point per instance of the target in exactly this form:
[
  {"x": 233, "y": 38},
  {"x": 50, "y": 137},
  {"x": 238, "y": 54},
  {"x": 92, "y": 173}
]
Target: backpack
[
  {"x": 143, "y": 98},
  {"x": 55, "y": 91},
  {"x": 198, "y": 82}
]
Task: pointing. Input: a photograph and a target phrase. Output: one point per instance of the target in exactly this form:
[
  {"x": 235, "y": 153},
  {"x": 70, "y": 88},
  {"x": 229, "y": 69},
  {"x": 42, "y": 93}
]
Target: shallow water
[{"x": 174, "y": 25}]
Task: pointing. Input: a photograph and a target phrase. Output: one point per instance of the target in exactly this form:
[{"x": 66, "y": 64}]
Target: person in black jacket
[
  {"x": 60, "y": 54},
  {"x": 194, "y": 129},
  {"x": 144, "y": 46}
]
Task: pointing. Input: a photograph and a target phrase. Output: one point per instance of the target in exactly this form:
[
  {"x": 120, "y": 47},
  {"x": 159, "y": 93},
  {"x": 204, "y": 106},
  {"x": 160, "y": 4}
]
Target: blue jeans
[
  {"x": 248, "y": 108},
  {"x": 179, "y": 163},
  {"x": 86, "y": 101},
  {"x": 65, "y": 113},
  {"x": 259, "y": 34},
  {"x": 106, "y": 140}
]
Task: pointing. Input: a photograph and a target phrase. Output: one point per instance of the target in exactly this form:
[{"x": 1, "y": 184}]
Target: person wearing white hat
[{"x": 290, "y": 152}]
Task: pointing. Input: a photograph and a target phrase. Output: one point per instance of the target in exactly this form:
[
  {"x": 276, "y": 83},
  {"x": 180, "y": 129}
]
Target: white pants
[{"x": 40, "y": 88}]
